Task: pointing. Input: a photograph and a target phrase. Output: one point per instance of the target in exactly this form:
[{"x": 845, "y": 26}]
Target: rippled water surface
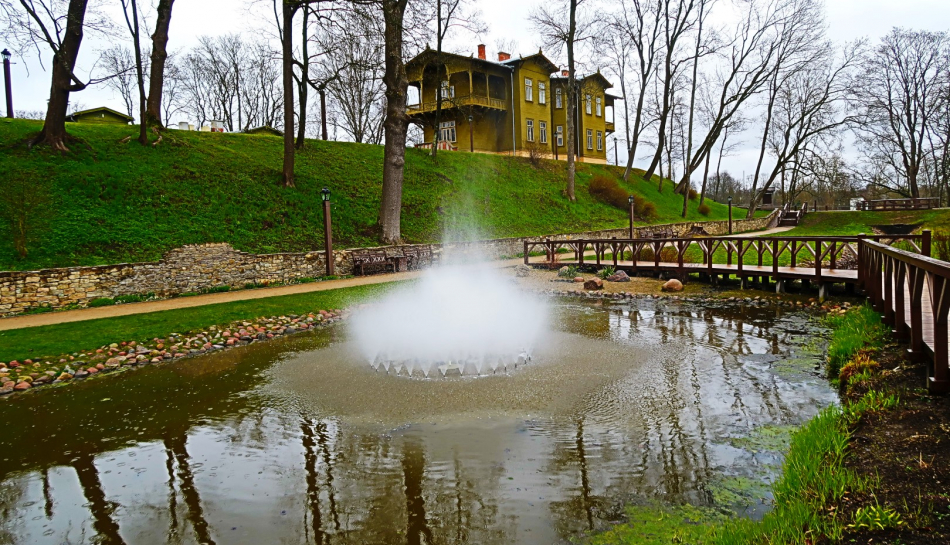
[{"x": 299, "y": 441}]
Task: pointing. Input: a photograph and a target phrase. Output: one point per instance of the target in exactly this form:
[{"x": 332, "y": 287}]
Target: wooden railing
[
  {"x": 461, "y": 100},
  {"x": 900, "y": 204},
  {"x": 737, "y": 252},
  {"x": 913, "y": 293}
]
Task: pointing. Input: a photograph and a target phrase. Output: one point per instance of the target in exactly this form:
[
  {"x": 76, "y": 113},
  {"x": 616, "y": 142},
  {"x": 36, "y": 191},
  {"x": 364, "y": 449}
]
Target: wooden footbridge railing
[
  {"x": 897, "y": 274},
  {"x": 913, "y": 293}
]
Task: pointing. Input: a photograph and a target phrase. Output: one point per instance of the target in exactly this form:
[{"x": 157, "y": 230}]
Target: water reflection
[{"x": 287, "y": 442}]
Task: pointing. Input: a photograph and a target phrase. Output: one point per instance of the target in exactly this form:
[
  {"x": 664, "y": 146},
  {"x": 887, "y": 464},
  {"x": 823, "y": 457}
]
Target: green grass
[
  {"x": 857, "y": 329},
  {"x": 114, "y": 202},
  {"x": 855, "y": 223},
  {"x": 55, "y": 340}
]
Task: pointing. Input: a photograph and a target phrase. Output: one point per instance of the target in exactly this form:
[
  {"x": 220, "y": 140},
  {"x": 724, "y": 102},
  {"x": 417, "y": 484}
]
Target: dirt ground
[{"x": 906, "y": 450}]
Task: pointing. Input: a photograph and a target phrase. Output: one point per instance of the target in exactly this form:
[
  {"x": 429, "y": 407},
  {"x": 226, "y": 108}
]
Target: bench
[
  {"x": 373, "y": 261},
  {"x": 697, "y": 231},
  {"x": 417, "y": 257},
  {"x": 664, "y": 232}
]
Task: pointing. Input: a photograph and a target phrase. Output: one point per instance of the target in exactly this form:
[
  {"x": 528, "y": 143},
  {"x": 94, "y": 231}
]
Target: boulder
[
  {"x": 620, "y": 276},
  {"x": 522, "y": 270},
  {"x": 673, "y": 285},
  {"x": 579, "y": 279},
  {"x": 594, "y": 284}
]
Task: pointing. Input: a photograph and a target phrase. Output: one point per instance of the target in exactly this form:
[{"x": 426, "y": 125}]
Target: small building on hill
[{"x": 100, "y": 115}]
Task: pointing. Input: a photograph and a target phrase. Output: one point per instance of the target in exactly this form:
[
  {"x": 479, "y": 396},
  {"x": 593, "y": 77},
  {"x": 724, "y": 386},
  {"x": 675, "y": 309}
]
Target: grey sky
[{"x": 507, "y": 20}]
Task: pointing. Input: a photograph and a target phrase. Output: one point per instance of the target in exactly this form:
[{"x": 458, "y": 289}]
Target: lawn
[{"x": 112, "y": 202}]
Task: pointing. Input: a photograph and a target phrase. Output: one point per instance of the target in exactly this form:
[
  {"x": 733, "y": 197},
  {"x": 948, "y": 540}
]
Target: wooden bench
[
  {"x": 373, "y": 261},
  {"x": 417, "y": 257},
  {"x": 697, "y": 231},
  {"x": 664, "y": 232}
]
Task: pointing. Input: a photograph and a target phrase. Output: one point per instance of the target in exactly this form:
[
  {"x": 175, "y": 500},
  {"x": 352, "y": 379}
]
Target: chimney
[
  {"x": 502, "y": 56},
  {"x": 565, "y": 73},
  {"x": 481, "y": 51}
]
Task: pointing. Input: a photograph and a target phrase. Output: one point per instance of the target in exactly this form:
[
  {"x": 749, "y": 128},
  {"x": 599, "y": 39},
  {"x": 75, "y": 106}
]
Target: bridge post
[{"x": 925, "y": 243}]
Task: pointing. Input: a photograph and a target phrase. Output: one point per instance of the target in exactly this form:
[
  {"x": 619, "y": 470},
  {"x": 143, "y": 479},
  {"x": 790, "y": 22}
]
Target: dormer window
[{"x": 542, "y": 93}]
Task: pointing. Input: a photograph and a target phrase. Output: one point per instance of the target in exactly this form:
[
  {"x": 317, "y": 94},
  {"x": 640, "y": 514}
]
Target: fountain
[{"x": 456, "y": 321}]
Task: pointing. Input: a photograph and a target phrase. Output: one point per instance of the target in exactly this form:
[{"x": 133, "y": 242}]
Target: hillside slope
[{"x": 112, "y": 202}]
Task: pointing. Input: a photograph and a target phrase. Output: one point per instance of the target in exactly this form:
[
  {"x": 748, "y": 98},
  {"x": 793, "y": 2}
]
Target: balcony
[
  {"x": 458, "y": 102},
  {"x": 610, "y": 126}
]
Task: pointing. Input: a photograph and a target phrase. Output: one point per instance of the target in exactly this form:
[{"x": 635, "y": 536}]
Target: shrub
[
  {"x": 608, "y": 191},
  {"x": 101, "y": 302},
  {"x": 941, "y": 243},
  {"x": 606, "y": 272},
  {"x": 216, "y": 289},
  {"x": 861, "y": 363},
  {"x": 704, "y": 209},
  {"x": 136, "y": 298},
  {"x": 644, "y": 209},
  {"x": 570, "y": 271},
  {"x": 693, "y": 195}
]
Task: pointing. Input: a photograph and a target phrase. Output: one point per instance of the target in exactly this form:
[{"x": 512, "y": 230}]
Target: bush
[
  {"x": 704, "y": 209},
  {"x": 134, "y": 298},
  {"x": 606, "y": 272},
  {"x": 570, "y": 271},
  {"x": 693, "y": 195},
  {"x": 101, "y": 302},
  {"x": 644, "y": 209},
  {"x": 608, "y": 191}
]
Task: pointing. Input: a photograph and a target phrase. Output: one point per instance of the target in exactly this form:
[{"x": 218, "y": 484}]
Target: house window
[
  {"x": 528, "y": 90},
  {"x": 600, "y": 141},
  {"x": 588, "y": 104},
  {"x": 559, "y": 132},
  {"x": 557, "y": 99},
  {"x": 448, "y": 91},
  {"x": 543, "y": 128},
  {"x": 530, "y": 130},
  {"x": 598, "y": 106},
  {"x": 542, "y": 93},
  {"x": 447, "y": 131},
  {"x": 590, "y": 139}
]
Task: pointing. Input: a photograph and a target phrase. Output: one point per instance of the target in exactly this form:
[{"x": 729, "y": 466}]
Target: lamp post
[
  {"x": 471, "y": 135},
  {"x": 327, "y": 231},
  {"x": 632, "y": 214},
  {"x": 6, "y": 80},
  {"x": 730, "y": 214}
]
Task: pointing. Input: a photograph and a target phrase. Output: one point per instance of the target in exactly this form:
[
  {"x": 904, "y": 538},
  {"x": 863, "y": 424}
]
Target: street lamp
[
  {"x": 6, "y": 81},
  {"x": 632, "y": 202},
  {"x": 327, "y": 231},
  {"x": 730, "y": 214},
  {"x": 471, "y": 135}
]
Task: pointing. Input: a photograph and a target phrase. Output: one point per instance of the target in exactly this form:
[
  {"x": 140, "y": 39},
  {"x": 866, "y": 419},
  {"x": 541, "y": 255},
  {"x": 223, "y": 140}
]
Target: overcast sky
[{"x": 507, "y": 20}]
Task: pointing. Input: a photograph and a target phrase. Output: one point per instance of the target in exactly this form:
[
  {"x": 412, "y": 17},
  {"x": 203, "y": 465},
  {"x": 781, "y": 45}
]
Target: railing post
[
  {"x": 817, "y": 261},
  {"x": 580, "y": 254},
  {"x": 680, "y": 251},
  {"x": 862, "y": 256},
  {"x": 916, "y": 284},
  {"x": 925, "y": 243},
  {"x": 940, "y": 382},
  {"x": 900, "y": 303},
  {"x": 775, "y": 260},
  {"x": 739, "y": 257},
  {"x": 888, "y": 291}
]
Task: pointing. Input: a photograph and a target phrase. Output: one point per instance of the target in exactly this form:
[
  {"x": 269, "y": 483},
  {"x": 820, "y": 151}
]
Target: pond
[{"x": 300, "y": 441}]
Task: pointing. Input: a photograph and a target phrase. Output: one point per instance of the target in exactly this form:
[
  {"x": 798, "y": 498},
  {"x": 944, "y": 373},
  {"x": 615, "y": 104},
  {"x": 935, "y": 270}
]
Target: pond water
[{"x": 300, "y": 441}]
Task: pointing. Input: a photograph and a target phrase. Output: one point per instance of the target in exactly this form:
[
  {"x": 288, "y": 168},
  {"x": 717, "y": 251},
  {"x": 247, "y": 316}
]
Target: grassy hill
[{"x": 113, "y": 202}]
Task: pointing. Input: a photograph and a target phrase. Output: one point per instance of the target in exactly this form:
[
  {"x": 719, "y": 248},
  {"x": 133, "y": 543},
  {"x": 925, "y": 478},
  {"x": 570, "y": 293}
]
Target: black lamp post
[
  {"x": 730, "y": 214},
  {"x": 6, "y": 80},
  {"x": 631, "y": 200},
  {"x": 327, "y": 231},
  {"x": 471, "y": 135}
]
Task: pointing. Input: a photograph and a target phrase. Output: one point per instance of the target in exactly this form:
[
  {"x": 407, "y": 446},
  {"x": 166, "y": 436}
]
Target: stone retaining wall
[{"x": 199, "y": 267}]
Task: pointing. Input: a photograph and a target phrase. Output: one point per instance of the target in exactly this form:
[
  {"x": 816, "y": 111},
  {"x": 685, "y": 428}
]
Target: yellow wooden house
[
  {"x": 101, "y": 115},
  {"x": 509, "y": 105}
]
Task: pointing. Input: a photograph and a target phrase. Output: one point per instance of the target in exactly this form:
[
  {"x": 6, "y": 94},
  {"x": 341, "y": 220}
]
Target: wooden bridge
[{"x": 900, "y": 279}]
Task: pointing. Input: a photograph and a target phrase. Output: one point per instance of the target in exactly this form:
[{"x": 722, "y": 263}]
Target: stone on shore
[
  {"x": 594, "y": 284},
  {"x": 619, "y": 276},
  {"x": 673, "y": 285}
]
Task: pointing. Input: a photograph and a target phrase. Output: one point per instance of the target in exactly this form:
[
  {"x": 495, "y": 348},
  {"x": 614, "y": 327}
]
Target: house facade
[
  {"x": 507, "y": 105},
  {"x": 100, "y": 116}
]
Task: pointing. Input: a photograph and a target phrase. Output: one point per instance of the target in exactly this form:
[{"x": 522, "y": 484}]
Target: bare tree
[
  {"x": 562, "y": 29},
  {"x": 898, "y": 95},
  {"x": 118, "y": 60},
  {"x": 132, "y": 23},
  {"x": 58, "y": 27},
  {"x": 159, "y": 58}
]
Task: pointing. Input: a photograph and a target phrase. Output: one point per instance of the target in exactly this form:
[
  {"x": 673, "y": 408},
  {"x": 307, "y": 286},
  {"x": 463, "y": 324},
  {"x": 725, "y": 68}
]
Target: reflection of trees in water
[
  {"x": 11, "y": 495},
  {"x": 176, "y": 445},
  {"x": 100, "y": 508}
]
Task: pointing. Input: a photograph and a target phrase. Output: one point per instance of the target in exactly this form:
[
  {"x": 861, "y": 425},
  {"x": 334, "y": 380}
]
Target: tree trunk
[
  {"x": 323, "y": 114},
  {"x": 664, "y": 115},
  {"x": 304, "y": 84},
  {"x": 139, "y": 72},
  {"x": 287, "y": 51},
  {"x": 397, "y": 87},
  {"x": 156, "y": 82},
  {"x": 572, "y": 105},
  {"x": 64, "y": 61},
  {"x": 702, "y": 194}
]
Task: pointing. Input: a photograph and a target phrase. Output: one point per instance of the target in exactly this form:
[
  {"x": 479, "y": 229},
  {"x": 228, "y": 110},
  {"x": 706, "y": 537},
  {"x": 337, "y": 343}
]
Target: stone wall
[{"x": 204, "y": 266}]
